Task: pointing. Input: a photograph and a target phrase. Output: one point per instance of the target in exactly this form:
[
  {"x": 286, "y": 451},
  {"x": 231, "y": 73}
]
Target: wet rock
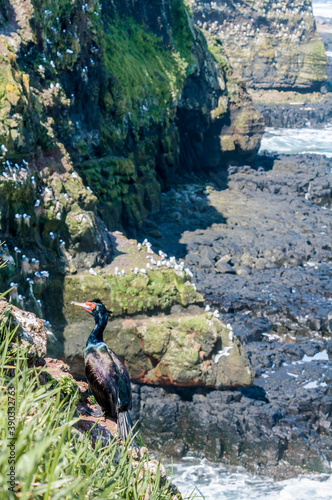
[
  {"x": 276, "y": 421},
  {"x": 281, "y": 425},
  {"x": 243, "y": 271}
]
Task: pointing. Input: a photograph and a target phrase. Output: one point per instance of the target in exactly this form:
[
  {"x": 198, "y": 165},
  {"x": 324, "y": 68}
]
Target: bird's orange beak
[{"x": 88, "y": 306}]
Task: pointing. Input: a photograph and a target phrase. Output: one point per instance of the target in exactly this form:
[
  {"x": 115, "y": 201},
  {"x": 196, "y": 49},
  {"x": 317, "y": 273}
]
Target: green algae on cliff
[{"x": 150, "y": 76}]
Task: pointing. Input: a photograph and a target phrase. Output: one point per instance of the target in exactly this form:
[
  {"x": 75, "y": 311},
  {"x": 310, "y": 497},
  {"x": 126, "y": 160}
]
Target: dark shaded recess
[
  {"x": 254, "y": 392},
  {"x": 187, "y": 393},
  {"x": 199, "y": 137},
  {"x": 166, "y": 173},
  {"x": 5, "y": 10},
  {"x": 3, "y": 13},
  {"x": 290, "y": 116}
]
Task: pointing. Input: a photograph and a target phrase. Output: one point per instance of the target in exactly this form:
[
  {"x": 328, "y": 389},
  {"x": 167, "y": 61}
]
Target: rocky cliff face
[
  {"x": 98, "y": 113},
  {"x": 270, "y": 44}
]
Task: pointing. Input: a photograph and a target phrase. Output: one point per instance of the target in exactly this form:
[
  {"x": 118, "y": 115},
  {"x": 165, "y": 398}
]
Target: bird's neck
[{"x": 96, "y": 335}]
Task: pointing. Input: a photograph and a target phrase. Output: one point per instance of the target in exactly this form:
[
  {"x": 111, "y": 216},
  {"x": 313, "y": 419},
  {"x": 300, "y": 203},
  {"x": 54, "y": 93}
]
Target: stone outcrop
[
  {"x": 186, "y": 358},
  {"x": 29, "y": 330},
  {"x": 263, "y": 259},
  {"x": 293, "y": 109},
  {"x": 180, "y": 350},
  {"x": 157, "y": 326},
  {"x": 270, "y": 44}
]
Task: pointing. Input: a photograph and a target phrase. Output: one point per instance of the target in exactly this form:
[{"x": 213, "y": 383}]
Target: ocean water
[
  {"x": 297, "y": 141},
  {"x": 214, "y": 481},
  {"x": 322, "y": 8}
]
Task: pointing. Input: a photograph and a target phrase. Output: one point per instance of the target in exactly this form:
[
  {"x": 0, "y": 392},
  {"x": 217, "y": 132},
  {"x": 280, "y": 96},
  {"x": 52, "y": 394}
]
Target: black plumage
[{"x": 107, "y": 376}]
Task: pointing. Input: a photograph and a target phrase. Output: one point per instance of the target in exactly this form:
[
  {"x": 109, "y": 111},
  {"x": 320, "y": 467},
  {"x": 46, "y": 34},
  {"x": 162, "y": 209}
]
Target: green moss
[
  {"x": 81, "y": 228},
  {"x": 181, "y": 32},
  {"x": 21, "y": 119},
  {"x": 147, "y": 76},
  {"x": 156, "y": 337},
  {"x": 214, "y": 46},
  {"x": 62, "y": 28},
  {"x": 109, "y": 177},
  {"x": 227, "y": 143},
  {"x": 130, "y": 293}
]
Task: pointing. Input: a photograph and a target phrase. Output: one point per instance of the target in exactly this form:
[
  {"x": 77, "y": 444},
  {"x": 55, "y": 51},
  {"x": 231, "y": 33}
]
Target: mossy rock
[
  {"x": 130, "y": 293},
  {"x": 180, "y": 350},
  {"x": 81, "y": 227}
]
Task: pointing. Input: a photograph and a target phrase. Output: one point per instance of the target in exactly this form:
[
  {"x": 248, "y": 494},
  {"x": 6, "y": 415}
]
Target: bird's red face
[
  {"x": 88, "y": 306},
  {"x": 94, "y": 307}
]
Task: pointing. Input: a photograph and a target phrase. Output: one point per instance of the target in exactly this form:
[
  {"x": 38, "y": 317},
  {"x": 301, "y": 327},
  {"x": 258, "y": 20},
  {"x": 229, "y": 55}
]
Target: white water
[
  {"x": 322, "y": 8},
  {"x": 298, "y": 140},
  {"x": 217, "y": 482}
]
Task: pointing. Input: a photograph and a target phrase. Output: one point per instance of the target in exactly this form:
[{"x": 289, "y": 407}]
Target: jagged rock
[
  {"x": 223, "y": 267},
  {"x": 179, "y": 345},
  {"x": 30, "y": 332},
  {"x": 131, "y": 293},
  {"x": 290, "y": 110}
]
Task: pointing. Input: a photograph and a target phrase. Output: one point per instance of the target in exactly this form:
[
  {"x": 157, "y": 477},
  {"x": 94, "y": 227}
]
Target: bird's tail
[{"x": 125, "y": 425}]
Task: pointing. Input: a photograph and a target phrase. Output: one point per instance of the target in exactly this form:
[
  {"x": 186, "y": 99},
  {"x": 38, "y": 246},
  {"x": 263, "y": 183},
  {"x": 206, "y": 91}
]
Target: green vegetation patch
[
  {"x": 130, "y": 294},
  {"x": 147, "y": 76},
  {"x": 63, "y": 28}
]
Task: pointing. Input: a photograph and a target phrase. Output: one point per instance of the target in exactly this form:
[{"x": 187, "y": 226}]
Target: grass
[{"x": 53, "y": 460}]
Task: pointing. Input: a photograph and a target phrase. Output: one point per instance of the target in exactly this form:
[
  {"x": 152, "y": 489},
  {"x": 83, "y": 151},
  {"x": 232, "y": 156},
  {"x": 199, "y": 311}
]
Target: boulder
[{"x": 180, "y": 350}]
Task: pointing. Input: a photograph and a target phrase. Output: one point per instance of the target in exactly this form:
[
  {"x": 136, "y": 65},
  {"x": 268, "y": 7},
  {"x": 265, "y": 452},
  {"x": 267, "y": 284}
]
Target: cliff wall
[
  {"x": 271, "y": 44},
  {"x": 101, "y": 105}
]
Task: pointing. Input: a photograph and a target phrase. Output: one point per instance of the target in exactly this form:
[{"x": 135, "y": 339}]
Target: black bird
[{"x": 107, "y": 376}]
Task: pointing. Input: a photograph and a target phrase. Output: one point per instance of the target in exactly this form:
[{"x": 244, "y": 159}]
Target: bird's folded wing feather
[
  {"x": 124, "y": 381},
  {"x": 103, "y": 378}
]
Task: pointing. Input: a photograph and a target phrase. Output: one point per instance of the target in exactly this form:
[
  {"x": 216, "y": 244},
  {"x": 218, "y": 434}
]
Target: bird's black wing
[
  {"x": 103, "y": 378},
  {"x": 125, "y": 398}
]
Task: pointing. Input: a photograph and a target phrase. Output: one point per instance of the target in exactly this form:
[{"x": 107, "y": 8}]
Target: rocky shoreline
[
  {"x": 299, "y": 114},
  {"x": 265, "y": 264},
  {"x": 257, "y": 240}
]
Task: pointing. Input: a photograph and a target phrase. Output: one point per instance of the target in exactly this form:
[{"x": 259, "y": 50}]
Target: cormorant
[{"x": 107, "y": 376}]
